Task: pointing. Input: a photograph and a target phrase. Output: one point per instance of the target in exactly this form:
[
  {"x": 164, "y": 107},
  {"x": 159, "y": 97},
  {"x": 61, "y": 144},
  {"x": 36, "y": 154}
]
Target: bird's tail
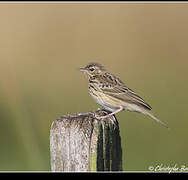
[{"x": 154, "y": 117}]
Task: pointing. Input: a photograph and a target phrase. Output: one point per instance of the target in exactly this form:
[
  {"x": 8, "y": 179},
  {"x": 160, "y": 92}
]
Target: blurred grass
[{"x": 41, "y": 46}]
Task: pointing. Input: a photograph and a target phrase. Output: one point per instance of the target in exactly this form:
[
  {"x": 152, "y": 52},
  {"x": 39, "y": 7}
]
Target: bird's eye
[{"x": 91, "y": 69}]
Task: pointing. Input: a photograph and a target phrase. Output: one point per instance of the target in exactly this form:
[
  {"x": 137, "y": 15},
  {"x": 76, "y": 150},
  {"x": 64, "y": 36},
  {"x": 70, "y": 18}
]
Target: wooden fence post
[{"x": 82, "y": 143}]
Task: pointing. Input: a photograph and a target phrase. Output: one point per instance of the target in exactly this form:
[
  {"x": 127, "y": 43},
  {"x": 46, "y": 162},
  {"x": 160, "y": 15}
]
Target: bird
[{"x": 112, "y": 93}]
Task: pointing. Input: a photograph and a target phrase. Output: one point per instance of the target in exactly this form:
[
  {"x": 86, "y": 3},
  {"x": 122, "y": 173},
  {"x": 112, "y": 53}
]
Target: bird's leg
[{"x": 112, "y": 113}]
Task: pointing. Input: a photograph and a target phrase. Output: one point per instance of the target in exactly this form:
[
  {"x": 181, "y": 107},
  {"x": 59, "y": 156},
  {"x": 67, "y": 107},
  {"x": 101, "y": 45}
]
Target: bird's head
[{"x": 93, "y": 69}]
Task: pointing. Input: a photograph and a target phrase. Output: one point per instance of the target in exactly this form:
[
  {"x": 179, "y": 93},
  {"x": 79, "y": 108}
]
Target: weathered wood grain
[{"x": 81, "y": 142}]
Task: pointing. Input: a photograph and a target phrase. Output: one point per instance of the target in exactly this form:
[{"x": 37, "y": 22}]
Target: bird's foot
[{"x": 103, "y": 117}]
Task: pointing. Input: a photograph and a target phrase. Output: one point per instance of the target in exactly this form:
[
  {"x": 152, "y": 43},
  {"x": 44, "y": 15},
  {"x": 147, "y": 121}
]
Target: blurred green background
[{"x": 42, "y": 45}]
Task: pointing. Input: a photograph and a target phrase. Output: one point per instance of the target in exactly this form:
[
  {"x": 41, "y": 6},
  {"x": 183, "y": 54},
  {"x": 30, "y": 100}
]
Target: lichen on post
[{"x": 81, "y": 142}]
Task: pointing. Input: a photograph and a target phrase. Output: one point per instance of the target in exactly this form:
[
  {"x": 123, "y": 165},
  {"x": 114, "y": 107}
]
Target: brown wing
[{"x": 113, "y": 86}]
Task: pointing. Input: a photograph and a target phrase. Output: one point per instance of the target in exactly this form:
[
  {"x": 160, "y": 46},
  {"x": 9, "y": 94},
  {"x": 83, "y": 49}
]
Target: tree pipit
[{"x": 111, "y": 93}]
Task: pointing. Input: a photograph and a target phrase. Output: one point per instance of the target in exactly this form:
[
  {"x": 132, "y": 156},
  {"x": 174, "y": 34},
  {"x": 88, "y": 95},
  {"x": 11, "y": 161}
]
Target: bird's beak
[{"x": 81, "y": 69}]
